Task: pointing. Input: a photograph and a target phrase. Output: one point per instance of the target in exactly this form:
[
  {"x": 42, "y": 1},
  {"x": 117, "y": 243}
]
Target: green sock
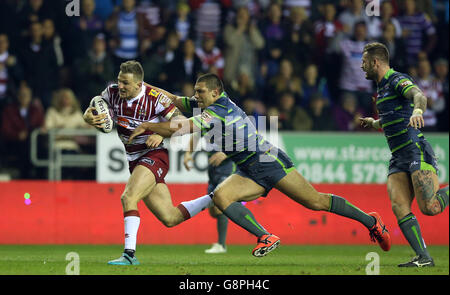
[
  {"x": 344, "y": 208},
  {"x": 240, "y": 215},
  {"x": 442, "y": 196},
  {"x": 222, "y": 226},
  {"x": 411, "y": 230}
]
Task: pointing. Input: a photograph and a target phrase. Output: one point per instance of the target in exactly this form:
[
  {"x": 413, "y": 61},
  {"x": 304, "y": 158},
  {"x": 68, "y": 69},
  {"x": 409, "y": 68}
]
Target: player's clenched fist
[{"x": 369, "y": 122}]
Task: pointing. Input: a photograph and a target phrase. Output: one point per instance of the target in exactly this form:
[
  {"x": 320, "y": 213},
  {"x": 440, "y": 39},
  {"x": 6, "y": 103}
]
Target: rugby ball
[{"x": 101, "y": 107}]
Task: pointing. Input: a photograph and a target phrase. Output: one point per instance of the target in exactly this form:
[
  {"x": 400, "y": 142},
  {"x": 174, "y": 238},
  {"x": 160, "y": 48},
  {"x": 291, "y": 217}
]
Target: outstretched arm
[
  {"x": 175, "y": 127},
  {"x": 176, "y": 100},
  {"x": 420, "y": 106}
]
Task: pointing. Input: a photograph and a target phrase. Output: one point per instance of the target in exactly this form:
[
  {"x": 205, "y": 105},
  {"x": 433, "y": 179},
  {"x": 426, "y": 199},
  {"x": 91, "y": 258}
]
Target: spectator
[
  {"x": 93, "y": 72},
  {"x": 65, "y": 113},
  {"x": 210, "y": 56},
  {"x": 10, "y": 71},
  {"x": 320, "y": 113},
  {"x": 326, "y": 29},
  {"x": 291, "y": 117},
  {"x": 353, "y": 14},
  {"x": 434, "y": 93},
  {"x": 186, "y": 66},
  {"x": 441, "y": 72},
  {"x": 182, "y": 22},
  {"x": 285, "y": 81},
  {"x": 208, "y": 16},
  {"x": 415, "y": 26},
  {"x": 298, "y": 43},
  {"x": 53, "y": 39},
  {"x": 352, "y": 78},
  {"x": 376, "y": 25},
  {"x": 151, "y": 23},
  {"x": 33, "y": 11},
  {"x": 243, "y": 87},
  {"x": 40, "y": 64},
  {"x": 242, "y": 41},
  {"x": 313, "y": 84},
  {"x": 19, "y": 119},
  {"x": 396, "y": 46},
  {"x": 272, "y": 30},
  {"x": 346, "y": 114},
  {"x": 123, "y": 28},
  {"x": 88, "y": 25},
  {"x": 156, "y": 62}
]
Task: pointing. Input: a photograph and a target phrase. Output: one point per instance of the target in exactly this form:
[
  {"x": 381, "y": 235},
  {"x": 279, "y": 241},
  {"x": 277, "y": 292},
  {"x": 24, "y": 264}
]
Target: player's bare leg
[
  {"x": 430, "y": 198},
  {"x": 159, "y": 202},
  {"x": 296, "y": 187},
  {"x": 140, "y": 184},
  {"x": 401, "y": 194}
]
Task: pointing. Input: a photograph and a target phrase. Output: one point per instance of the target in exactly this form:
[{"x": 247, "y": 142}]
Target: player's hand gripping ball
[{"x": 101, "y": 107}]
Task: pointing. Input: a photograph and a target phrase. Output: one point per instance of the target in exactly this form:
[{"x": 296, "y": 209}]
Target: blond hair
[
  {"x": 57, "y": 99},
  {"x": 133, "y": 67}
]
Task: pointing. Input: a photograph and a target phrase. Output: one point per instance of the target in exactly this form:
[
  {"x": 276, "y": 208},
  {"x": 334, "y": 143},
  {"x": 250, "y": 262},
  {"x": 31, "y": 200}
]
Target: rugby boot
[
  {"x": 379, "y": 233},
  {"x": 266, "y": 244}
]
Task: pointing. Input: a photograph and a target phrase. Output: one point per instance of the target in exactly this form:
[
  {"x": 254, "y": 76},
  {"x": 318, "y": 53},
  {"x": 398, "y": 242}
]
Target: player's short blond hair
[
  {"x": 378, "y": 50},
  {"x": 133, "y": 67}
]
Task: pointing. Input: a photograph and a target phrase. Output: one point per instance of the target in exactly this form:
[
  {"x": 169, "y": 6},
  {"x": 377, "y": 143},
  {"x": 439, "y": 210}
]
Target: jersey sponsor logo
[
  {"x": 406, "y": 83},
  {"x": 125, "y": 123},
  {"x": 153, "y": 92},
  {"x": 165, "y": 101},
  {"x": 206, "y": 117},
  {"x": 159, "y": 172}
]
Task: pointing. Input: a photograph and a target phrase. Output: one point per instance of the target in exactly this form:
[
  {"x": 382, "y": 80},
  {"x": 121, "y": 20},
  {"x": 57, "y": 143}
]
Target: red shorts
[{"x": 157, "y": 161}]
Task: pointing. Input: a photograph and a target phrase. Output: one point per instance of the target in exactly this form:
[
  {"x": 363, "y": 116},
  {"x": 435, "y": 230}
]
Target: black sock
[
  {"x": 344, "y": 208},
  {"x": 411, "y": 230},
  {"x": 129, "y": 252}
]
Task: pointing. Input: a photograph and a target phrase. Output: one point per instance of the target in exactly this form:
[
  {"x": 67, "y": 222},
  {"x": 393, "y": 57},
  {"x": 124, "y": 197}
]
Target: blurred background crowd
[{"x": 298, "y": 60}]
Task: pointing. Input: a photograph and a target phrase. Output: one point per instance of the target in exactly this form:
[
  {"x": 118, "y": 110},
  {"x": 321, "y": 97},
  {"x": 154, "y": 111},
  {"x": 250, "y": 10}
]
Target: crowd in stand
[{"x": 298, "y": 60}]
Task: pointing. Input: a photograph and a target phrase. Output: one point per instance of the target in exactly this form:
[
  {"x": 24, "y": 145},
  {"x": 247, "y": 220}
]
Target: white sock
[
  {"x": 197, "y": 205},
  {"x": 131, "y": 228}
]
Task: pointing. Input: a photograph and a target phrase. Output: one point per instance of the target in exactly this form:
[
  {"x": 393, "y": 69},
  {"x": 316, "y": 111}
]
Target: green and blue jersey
[
  {"x": 227, "y": 128},
  {"x": 395, "y": 110}
]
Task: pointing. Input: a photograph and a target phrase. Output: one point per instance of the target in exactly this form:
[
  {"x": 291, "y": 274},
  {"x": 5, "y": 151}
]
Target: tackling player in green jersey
[
  {"x": 413, "y": 166},
  {"x": 262, "y": 166}
]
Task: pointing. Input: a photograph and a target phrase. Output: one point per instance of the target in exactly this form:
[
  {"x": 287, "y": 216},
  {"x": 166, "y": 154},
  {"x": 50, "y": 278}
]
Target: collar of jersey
[
  {"x": 389, "y": 73},
  {"x": 139, "y": 95}
]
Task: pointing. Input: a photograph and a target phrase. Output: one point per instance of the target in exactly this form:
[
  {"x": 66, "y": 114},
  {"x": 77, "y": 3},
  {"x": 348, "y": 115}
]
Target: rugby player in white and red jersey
[{"x": 133, "y": 102}]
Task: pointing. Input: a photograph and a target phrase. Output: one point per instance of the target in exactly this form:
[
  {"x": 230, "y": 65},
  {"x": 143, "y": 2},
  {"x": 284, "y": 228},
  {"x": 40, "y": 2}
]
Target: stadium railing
[{"x": 56, "y": 159}]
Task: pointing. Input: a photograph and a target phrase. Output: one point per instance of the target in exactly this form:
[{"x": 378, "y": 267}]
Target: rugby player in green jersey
[
  {"x": 413, "y": 166},
  {"x": 262, "y": 166}
]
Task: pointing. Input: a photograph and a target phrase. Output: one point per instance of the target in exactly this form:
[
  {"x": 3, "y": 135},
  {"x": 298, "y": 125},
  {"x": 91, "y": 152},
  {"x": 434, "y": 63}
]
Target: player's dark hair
[
  {"x": 378, "y": 50},
  {"x": 212, "y": 81},
  {"x": 133, "y": 67}
]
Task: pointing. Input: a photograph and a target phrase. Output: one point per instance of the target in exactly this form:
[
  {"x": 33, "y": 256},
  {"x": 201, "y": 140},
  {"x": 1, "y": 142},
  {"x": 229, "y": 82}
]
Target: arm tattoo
[
  {"x": 417, "y": 96},
  {"x": 177, "y": 113}
]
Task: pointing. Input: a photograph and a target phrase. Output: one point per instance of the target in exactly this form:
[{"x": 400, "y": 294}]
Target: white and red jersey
[{"x": 149, "y": 105}]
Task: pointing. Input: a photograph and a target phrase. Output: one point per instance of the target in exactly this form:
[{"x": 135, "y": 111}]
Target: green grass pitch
[{"x": 190, "y": 259}]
